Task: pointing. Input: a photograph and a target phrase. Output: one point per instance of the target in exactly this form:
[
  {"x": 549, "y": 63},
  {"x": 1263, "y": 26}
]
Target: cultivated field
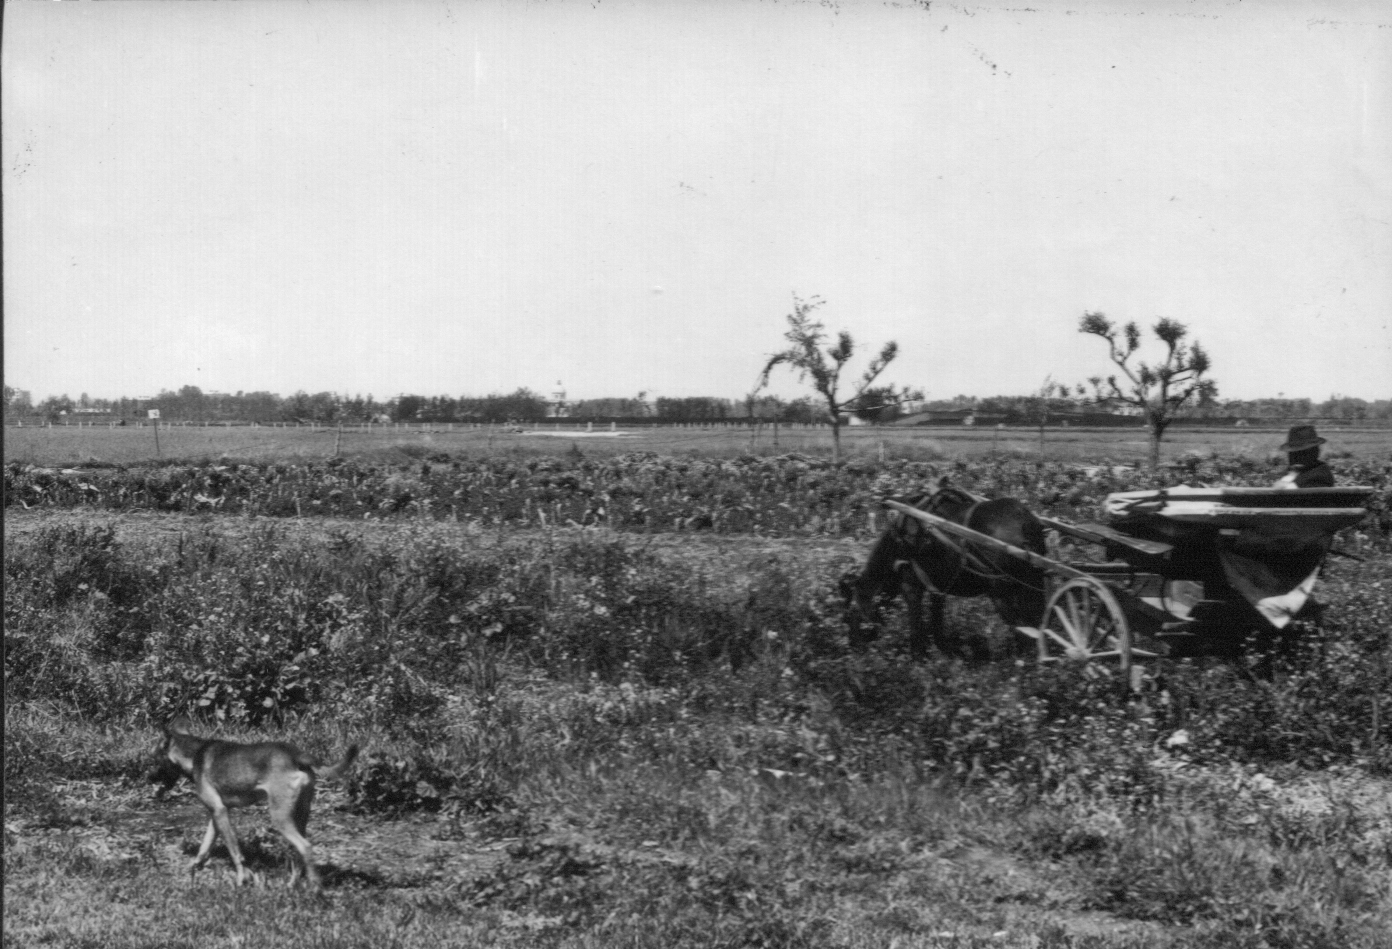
[
  {"x": 75, "y": 446},
  {"x": 606, "y": 698}
]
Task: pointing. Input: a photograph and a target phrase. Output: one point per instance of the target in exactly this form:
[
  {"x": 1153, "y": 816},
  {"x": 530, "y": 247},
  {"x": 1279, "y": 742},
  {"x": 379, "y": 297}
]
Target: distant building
[
  {"x": 558, "y": 407},
  {"x": 949, "y": 417}
]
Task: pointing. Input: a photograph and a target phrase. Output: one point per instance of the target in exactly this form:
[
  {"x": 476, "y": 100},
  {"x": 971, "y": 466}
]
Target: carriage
[{"x": 1174, "y": 569}]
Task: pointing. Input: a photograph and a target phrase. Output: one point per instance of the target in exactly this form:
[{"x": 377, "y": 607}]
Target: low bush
[{"x": 266, "y": 626}]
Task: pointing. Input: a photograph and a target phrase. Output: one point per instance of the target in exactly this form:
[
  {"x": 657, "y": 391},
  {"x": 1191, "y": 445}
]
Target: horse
[{"x": 911, "y": 559}]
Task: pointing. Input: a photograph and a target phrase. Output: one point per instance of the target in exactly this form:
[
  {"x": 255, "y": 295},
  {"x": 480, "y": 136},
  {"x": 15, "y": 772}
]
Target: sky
[{"x": 450, "y": 198}]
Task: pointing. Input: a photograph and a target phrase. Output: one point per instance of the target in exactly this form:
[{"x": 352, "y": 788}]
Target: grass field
[
  {"x": 654, "y": 736},
  {"x": 69, "y": 446}
]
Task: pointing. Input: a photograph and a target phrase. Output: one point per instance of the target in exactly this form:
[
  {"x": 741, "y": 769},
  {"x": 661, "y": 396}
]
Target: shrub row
[{"x": 786, "y": 495}]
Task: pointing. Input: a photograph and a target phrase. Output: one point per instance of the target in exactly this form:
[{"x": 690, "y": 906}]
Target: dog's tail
[{"x": 336, "y": 771}]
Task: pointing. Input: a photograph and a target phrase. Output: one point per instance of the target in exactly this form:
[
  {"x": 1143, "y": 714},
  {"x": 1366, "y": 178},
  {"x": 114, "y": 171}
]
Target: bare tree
[
  {"x": 805, "y": 354},
  {"x": 1160, "y": 390}
]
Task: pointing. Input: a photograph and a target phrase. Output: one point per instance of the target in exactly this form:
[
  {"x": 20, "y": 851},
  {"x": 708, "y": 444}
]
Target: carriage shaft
[{"x": 966, "y": 533}]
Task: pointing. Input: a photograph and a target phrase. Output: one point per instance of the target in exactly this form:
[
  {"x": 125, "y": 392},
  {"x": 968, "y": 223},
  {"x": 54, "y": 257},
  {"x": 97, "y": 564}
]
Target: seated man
[{"x": 1306, "y": 470}]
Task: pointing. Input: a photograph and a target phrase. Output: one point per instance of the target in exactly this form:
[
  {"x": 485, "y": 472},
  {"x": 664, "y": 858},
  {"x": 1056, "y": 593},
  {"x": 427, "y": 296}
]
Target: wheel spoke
[
  {"x": 1061, "y": 614},
  {"x": 1076, "y": 629},
  {"x": 1083, "y": 621},
  {"x": 1050, "y": 635},
  {"x": 1066, "y": 625},
  {"x": 1090, "y": 623}
]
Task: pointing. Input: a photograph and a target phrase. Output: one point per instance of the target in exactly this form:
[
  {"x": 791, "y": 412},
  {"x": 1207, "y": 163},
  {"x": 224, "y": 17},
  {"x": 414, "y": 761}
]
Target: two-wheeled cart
[{"x": 1179, "y": 565}]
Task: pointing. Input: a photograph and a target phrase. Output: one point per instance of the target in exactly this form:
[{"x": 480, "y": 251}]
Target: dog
[{"x": 227, "y": 774}]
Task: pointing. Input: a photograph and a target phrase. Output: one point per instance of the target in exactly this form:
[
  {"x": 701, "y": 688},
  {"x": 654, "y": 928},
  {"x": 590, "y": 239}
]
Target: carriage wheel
[{"x": 1084, "y": 621}]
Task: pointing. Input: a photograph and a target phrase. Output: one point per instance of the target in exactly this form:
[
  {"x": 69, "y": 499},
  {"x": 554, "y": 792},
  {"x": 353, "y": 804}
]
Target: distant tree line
[
  {"x": 190, "y": 403},
  {"x": 1024, "y": 407},
  {"x": 522, "y": 405}
]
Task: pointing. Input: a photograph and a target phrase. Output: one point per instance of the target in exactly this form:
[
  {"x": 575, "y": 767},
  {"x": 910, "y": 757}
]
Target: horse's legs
[
  {"x": 1021, "y": 603},
  {"x": 933, "y": 630},
  {"x": 938, "y": 608},
  {"x": 919, "y": 634},
  {"x": 1007, "y": 608}
]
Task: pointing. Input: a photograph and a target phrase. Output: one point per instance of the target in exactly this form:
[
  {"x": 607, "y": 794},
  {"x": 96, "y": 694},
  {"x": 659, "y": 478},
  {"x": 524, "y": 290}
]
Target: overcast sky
[{"x": 465, "y": 198}]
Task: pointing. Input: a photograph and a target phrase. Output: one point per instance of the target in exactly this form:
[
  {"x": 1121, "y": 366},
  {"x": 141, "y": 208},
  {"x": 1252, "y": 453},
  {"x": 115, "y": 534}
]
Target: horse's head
[
  {"x": 847, "y": 585},
  {"x": 858, "y": 608}
]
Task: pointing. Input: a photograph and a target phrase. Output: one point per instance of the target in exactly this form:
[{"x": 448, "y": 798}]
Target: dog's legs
[
  {"x": 290, "y": 816},
  {"x": 208, "y": 837},
  {"x": 224, "y": 826},
  {"x": 298, "y": 841},
  {"x": 219, "y": 822}
]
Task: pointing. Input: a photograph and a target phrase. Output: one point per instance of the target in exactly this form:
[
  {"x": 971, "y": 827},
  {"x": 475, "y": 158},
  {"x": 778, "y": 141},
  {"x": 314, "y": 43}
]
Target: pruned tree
[
  {"x": 1160, "y": 390},
  {"x": 806, "y": 356}
]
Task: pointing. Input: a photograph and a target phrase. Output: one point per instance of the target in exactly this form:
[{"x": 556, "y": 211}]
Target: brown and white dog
[{"x": 227, "y": 774}]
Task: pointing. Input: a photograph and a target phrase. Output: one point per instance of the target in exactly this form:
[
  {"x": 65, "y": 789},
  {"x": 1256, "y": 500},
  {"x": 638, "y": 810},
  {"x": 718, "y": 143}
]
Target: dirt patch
[{"x": 122, "y": 822}]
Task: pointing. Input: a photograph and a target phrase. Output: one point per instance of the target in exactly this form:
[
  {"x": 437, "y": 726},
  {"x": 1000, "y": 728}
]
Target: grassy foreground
[{"x": 584, "y": 737}]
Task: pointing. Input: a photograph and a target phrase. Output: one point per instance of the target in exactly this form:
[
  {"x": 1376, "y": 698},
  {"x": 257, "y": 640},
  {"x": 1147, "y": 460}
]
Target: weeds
[{"x": 673, "y": 754}]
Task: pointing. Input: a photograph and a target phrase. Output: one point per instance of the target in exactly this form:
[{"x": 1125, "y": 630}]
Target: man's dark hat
[{"x": 1302, "y": 437}]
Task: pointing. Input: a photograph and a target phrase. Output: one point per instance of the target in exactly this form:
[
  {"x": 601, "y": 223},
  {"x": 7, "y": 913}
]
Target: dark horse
[{"x": 909, "y": 559}]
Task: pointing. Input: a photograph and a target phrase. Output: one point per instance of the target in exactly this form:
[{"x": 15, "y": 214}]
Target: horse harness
[
  {"x": 968, "y": 561},
  {"x": 964, "y": 553}
]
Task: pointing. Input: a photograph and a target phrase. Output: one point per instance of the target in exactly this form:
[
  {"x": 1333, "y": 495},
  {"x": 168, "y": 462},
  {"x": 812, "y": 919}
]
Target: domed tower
[{"x": 558, "y": 407}]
